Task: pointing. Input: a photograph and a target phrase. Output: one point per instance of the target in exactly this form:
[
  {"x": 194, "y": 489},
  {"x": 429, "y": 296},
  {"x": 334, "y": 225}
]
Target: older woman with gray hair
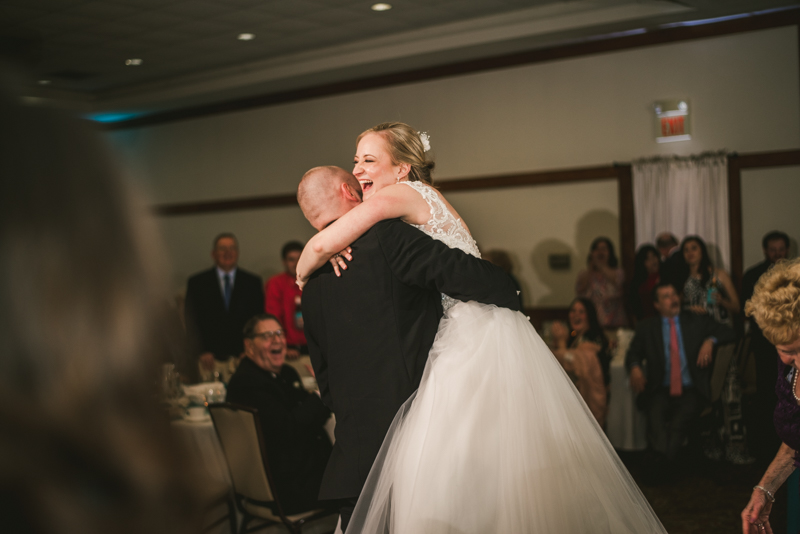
[{"x": 775, "y": 306}]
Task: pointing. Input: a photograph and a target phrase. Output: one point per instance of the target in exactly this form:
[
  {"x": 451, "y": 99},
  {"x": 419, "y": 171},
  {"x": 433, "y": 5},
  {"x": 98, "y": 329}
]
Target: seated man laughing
[{"x": 292, "y": 418}]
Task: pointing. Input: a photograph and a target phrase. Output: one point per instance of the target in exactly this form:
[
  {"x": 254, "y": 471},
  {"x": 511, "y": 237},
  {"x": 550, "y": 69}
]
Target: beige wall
[
  {"x": 769, "y": 202},
  {"x": 533, "y": 222},
  {"x": 579, "y": 112}
]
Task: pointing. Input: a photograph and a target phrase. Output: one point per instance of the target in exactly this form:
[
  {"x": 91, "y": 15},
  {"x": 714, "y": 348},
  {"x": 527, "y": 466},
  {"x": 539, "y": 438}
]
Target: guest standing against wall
[
  {"x": 704, "y": 288},
  {"x": 283, "y": 299},
  {"x": 602, "y": 282},
  {"x": 646, "y": 274},
  {"x": 219, "y": 301}
]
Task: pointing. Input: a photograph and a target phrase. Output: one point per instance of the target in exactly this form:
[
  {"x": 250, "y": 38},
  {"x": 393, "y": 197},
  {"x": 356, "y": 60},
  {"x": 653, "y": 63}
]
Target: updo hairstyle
[
  {"x": 405, "y": 146},
  {"x": 775, "y": 304}
]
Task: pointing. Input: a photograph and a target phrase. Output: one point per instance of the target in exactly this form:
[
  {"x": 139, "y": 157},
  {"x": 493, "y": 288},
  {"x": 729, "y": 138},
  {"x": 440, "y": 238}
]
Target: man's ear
[{"x": 348, "y": 193}]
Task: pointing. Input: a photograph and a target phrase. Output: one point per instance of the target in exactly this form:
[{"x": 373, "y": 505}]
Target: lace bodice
[{"x": 444, "y": 227}]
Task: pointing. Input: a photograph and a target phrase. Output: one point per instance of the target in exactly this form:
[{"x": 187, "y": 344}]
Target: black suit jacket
[
  {"x": 750, "y": 278},
  {"x": 647, "y": 350},
  {"x": 369, "y": 333},
  {"x": 671, "y": 270},
  {"x": 292, "y": 420},
  {"x": 210, "y": 327}
]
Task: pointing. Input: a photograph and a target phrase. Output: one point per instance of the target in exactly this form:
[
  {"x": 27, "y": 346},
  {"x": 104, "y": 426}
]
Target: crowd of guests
[
  {"x": 683, "y": 308},
  {"x": 681, "y": 305}
]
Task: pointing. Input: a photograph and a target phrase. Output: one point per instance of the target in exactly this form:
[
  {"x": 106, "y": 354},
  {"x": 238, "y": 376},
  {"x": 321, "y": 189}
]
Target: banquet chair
[
  {"x": 239, "y": 431},
  {"x": 215, "y": 495}
]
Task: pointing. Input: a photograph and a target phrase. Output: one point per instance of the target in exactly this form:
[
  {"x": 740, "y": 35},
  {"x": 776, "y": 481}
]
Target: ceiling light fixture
[
  {"x": 246, "y": 36},
  {"x": 44, "y": 82},
  {"x": 381, "y": 7},
  {"x": 133, "y": 62}
]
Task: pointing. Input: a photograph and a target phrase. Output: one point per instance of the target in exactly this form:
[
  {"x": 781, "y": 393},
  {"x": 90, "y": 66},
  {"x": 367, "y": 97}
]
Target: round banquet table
[{"x": 203, "y": 448}]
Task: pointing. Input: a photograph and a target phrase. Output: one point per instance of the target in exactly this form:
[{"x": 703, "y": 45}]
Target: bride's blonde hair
[{"x": 405, "y": 146}]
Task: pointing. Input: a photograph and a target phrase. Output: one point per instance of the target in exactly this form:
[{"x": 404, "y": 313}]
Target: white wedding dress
[{"x": 496, "y": 439}]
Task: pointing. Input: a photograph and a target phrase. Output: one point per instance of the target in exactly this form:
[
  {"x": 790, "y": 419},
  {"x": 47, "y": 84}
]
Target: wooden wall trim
[
  {"x": 627, "y": 220},
  {"x": 233, "y": 204},
  {"x": 650, "y": 38},
  {"x": 458, "y": 184},
  {"x": 777, "y": 158},
  {"x": 735, "y": 219},
  {"x": 533, "y": 178}
]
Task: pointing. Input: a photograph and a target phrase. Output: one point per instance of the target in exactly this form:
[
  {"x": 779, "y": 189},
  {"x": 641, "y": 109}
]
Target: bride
[{"x": 496, "y": 438}]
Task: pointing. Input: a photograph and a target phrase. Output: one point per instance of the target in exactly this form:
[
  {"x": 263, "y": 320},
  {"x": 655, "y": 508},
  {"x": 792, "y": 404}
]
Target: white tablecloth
[
  {"x": 205, "y": 450},
  {"x": 203, "y": 447},
  {"x": 626, "y": 426}
]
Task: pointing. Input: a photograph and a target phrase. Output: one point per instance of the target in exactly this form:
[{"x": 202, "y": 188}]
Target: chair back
[{"x": 239, "y": 432}]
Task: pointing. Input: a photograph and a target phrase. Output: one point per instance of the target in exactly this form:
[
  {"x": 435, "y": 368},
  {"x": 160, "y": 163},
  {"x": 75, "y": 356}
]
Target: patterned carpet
[{"x": 704, "y": 497}]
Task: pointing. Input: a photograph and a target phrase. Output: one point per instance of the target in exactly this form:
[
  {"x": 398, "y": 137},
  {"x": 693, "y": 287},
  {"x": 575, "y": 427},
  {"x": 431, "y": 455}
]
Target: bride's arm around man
[{"x": 369, "y": 331}]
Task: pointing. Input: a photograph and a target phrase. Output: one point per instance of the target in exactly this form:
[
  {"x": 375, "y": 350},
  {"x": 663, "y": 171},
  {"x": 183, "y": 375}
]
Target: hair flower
[{"x": 426, "y": 140}]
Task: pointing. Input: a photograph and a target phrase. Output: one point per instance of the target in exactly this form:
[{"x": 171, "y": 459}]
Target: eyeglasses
[{"x": 268, "y": 335}]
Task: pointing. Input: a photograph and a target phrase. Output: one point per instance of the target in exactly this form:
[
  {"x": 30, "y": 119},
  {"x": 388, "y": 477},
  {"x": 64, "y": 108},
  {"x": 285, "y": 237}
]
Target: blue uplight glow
[
  {"x": 704, "y": 21},
  {"x": 728, "y": 17},
  {"x": 113, "y": 117}
]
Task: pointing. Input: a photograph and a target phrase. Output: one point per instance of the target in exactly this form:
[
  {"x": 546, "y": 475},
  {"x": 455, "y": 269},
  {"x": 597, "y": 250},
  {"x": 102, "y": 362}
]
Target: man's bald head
[{"x": 326, "y": 193}]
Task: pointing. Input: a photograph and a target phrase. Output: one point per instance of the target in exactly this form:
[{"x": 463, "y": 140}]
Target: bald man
[{"x": 369, "y": 332}]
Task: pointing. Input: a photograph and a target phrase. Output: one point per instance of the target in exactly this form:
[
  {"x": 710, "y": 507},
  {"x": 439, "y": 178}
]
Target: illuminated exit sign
[{"x": 672, "y": 121}]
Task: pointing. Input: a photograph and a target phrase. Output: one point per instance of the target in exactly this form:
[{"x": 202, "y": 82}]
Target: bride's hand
[
  {"x": 338, "y": 261},
  {"x": 300, "y": 281}
]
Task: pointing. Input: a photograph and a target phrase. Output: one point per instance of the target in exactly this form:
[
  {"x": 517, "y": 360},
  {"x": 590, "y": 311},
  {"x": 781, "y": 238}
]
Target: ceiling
[{"x": 74, "y": 52}]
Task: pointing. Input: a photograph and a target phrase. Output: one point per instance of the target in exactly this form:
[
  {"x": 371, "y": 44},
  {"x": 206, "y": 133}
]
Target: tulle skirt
[{"x": 497, "y": 439}]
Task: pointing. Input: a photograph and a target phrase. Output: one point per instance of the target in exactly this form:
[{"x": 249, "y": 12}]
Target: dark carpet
[{"x": 702, "y": 496}]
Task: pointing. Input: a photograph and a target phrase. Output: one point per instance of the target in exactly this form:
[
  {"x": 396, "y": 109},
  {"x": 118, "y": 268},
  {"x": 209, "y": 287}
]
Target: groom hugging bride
[{"x": 452, "y": 414}]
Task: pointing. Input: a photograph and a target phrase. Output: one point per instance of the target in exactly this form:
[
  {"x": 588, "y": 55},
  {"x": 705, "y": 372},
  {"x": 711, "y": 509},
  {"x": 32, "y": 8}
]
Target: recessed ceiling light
[
  {"x": 133, "y": 62},
  {"x": 44, "y": 82},
  {"x": 246, "y": 36},
  {"x": 381, "y": 7}
]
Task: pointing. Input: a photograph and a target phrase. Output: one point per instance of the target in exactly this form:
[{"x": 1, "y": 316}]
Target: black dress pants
[{"x": 669, "y": 419}]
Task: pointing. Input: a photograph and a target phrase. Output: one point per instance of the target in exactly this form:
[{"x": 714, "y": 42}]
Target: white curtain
[{"x": 684, "y": 195}]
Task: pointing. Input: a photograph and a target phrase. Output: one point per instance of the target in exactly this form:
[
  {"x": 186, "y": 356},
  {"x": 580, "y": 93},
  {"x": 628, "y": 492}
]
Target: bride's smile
[{"x": 373, "y": 166}]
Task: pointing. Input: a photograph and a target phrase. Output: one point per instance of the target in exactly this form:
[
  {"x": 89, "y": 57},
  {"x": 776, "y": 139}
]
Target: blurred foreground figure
[{"x": 84, "y": 446}]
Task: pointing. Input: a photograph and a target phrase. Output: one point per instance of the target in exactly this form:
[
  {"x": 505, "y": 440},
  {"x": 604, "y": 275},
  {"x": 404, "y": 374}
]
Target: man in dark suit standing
[
  {"x": 668, "y": 361},
  {"x": 219, "y": 301},
  {"x": 369, "y": 332},
  {"x": 292, "y": 418}
]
